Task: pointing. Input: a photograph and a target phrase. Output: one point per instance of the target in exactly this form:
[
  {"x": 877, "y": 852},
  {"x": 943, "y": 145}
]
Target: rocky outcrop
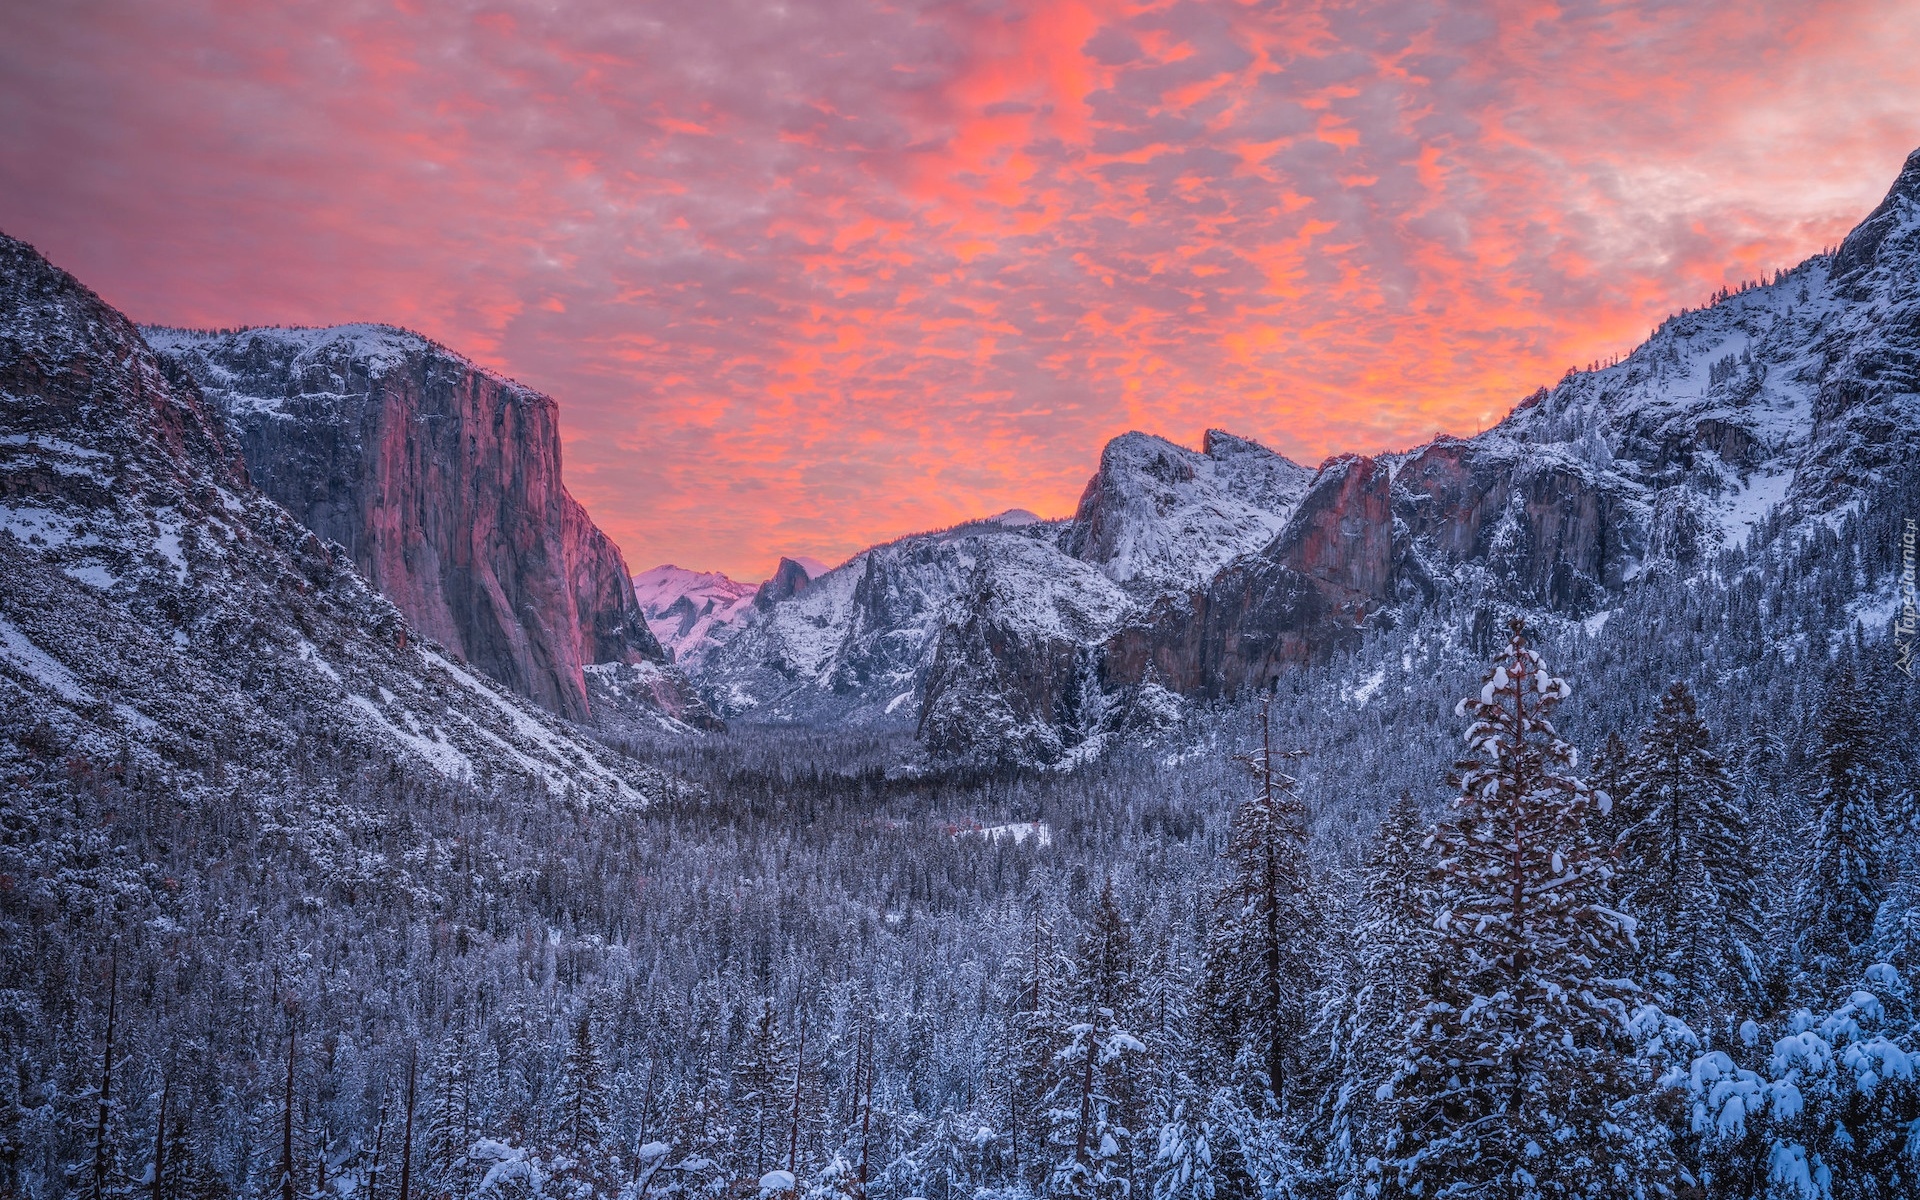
[
  {"x": 1158, "y": 518},
  {"x": 789, "y": 580},
  {"x": 1307, "y": 592},
  {"x": 442, "y": 481}
]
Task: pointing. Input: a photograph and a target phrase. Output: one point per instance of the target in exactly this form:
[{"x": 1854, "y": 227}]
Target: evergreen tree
[
  {"x": 1392, "y": 946},
  {"x": 582, "y": 1114},
  {"x": 1096, "y": 1090},
  {"x": 449, "y": 1116},
  {"x": 1687, "y": 868},
  {"x": 1263, "y": 948},
  {"x": 1842, "y": 888},
  {"x": 760, "y": 1098},
  {"x": 1517, "y": 1079}
]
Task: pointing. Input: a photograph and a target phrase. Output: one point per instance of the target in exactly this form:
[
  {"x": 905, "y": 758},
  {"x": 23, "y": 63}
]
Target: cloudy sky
[{"x": 805, "y": 276}]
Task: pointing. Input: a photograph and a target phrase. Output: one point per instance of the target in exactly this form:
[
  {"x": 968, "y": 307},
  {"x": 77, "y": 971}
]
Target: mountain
[
  {"x": 442, "y": 482},
  {"x": 1216, "y": 571},
  {"x": 161, "y": 612},
  {"x": 690, "y": 612},
  {"x": 862, "y": 642}
]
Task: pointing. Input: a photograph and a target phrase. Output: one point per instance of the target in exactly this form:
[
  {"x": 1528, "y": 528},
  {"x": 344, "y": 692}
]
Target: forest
[{"x": 1496, "y": 904}]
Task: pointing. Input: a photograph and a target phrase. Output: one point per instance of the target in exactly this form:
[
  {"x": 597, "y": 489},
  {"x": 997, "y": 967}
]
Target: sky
[{"x": 808, "y": 276}]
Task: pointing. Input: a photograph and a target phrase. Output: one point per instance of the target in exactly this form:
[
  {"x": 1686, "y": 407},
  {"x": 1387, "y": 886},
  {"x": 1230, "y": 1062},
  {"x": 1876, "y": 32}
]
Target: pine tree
[
  {"x": 1093, "y": 1100},
  {"x": 1392, "y": 947},
  {"x": 759, "y": 1096},
  {"x": 1517, "y": 1079},
  {"x": 1022, "y": 1054},
  {"x": 1687, "y": 868},
  {"x": 1842, "y": 889},
  {"x": 582, "y": 1112},
  {"x": 448, "y": 1132},
  {"x": 1262, "y": 950}
]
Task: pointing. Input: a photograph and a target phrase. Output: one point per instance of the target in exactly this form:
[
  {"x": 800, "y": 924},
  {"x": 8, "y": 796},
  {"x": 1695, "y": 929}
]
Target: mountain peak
[{"x": 1897, "y": 215}]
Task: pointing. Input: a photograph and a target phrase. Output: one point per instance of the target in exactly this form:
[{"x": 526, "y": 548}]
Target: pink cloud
[{"x": 808, "y": 277}]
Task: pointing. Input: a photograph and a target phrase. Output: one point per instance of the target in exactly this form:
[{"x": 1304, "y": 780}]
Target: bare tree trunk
[
  {"x": 379, "y": 1137},
  {"x": 160, "y": 1139},
  {"x": 106, "y": 1082},
  {"x": 406, "y": 1142}
]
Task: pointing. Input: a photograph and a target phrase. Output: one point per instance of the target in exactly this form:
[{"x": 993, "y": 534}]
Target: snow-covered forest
[{"x": 1479, "y": 908}]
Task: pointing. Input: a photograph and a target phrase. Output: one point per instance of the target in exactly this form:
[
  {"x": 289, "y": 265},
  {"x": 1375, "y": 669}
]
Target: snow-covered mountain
[
  {"x": 860, "y": 643},
  {"x": 442, "y": 480},
  {"x": 691, "y": 612},
  {"x": 1202, "y": 574},
  {"x": 1158, "y": 517},
  {"x": 159, "y": 610}
]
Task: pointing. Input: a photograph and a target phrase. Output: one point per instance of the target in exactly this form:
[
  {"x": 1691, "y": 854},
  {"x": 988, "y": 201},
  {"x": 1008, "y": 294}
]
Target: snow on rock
[
  {"x": 691, "y": 612},
  {"x": 1160, "y": 517}
]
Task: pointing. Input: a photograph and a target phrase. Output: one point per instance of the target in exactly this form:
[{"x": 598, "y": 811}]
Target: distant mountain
[
  {"x": 690, "y": 611},
  {"x": 162, "y": 613},
  {"x": 442, "y": 482},
  {"x": 1198, "y": 575},
  {"x": 861, "y": 643}
]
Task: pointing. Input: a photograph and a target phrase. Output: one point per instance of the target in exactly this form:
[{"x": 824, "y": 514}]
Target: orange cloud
[{"x": 809, "y": 277}]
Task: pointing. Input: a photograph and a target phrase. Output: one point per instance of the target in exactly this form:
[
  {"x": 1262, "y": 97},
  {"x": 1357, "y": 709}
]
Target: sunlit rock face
[{"x": 442, "y": 480}]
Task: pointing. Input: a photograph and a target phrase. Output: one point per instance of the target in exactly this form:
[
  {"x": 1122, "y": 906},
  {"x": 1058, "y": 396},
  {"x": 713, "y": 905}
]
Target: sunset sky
[{"x": 807, "y": 276}]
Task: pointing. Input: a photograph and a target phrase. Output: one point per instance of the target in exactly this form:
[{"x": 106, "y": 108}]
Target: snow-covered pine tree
[
  {"x": 1092, "y": 1106},
  {"x": 1518, "y": 1079},
  {"x": 1392, "y": 944},
  {"x": 1606, "y": 772},
  {"x": 443, "y": 1166},
  {"x": 1263, "y": 947},
  {"x": 581, "y": 1116},
  {"x": 759, "y": 1102},
  {"x": 1022, "y": 1055},
  {"x": 1687, "y": 870},
  {"x": 1842, "y": 888}
]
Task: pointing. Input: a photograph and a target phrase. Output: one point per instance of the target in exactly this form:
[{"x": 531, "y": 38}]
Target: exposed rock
[
  {"x": 442, "y": 481},
  {"x": 789, "y": 580}
]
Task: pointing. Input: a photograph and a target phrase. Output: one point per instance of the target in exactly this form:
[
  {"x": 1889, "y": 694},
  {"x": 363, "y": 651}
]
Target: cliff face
[
  {"x": 157, "y": 609},
  {"x": 442, "y": 481}
]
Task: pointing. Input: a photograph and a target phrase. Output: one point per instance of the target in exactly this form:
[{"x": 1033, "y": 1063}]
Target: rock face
[
  {"x": 442, "y": 481},
  {"x": 156, "y": 608}
]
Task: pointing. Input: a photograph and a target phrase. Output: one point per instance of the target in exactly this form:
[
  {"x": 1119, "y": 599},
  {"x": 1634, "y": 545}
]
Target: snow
[
  {"x": 692, "y": 612},
  {"x": 441, "y": 756},
  {"x": 311, "y": 653},
  {"x": 1750, "y": 506},
  {"x": 1171, "y": 517},
  {"x": 41, "y": 527},
  {"x": 1018, "y": 832},
  {"x": 18, "y": 649},
  {"x": 897, "y": 701},
  {"x": 93, "y": 574},
  {"x": 1357, "y": 694},
  {"x": 777, "y": 1181}
]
